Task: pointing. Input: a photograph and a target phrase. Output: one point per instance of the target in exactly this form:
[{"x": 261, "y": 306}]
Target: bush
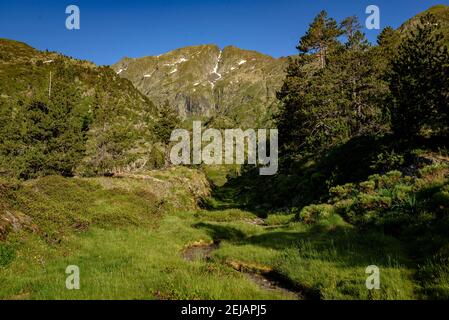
[
  {"x": 391, "y": 202},
  {"x": 342, "y": 192},
  {"x": 7, "y": 254},
  {"x": 315, "y": 213},
  {"x": 386, "y": 160}
]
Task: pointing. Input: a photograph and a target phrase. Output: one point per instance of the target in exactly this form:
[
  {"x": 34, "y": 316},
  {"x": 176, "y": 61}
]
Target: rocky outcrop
[{"x": 13, "y": 221}]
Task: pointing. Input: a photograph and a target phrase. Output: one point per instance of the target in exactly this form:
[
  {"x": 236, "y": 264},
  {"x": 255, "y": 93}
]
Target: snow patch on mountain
[
  {"x": 121, "y": 70},
  {"x": 181, "y": 60},
  {"x": 216, "y": 66},
  {"x": 215, "y": 70}
]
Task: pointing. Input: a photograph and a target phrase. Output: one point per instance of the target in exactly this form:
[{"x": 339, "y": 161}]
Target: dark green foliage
[
  {"x": 326, "y": 106},
  {"x": 334, "y": 124},
  {"x": 46, "y": 135},
  {"x": 308, "y": 181},
  {"x": 120, "y": 137},
  {"x": 109, "y": 138},
  {"x": 403, "y": 206},
  {"x": 419, "y": 81},
  {"x": 169, "y": 121},
  {"x": 320, "y": 38},
  {"x": 86, "y": 121},
  {"x": 388, "y": 41}
]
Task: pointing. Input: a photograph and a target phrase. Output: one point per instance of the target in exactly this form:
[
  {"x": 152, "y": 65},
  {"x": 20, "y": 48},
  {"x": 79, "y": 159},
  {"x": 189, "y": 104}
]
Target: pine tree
[
  {"x": 419, "y": 81},
  {"x": 388, "y": 40},
  {"x": 109, "y": 140},
  {"x": 168, "y": 121},
  {"x": 293, "y": 112},
  {"x": 321, "y": 36},
  {"x": 350, "y": 26},
  {"x": 68, "y": 126},
  {"x": 9, "y": 137},
  {"x": 354, "y": 75},
  {"x": 324, "y": 107},
  {"x": 45, "y": 135}
]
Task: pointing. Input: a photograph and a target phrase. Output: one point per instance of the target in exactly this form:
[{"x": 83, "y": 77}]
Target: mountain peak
[{"x": 205, "y": 81}]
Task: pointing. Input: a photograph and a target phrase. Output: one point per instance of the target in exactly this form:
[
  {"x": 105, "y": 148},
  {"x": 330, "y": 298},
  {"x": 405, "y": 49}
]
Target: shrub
[
  {"x": 387, "y": 160},
  {"x": 342, "y": 192},
  {"x": 373, "y": 202},
  {"x": 315, "y": 213},
  {"x": 7, "y": 254}
]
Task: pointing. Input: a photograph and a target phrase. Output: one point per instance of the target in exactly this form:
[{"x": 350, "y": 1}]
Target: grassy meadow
[{"x": 129, "y": 243}]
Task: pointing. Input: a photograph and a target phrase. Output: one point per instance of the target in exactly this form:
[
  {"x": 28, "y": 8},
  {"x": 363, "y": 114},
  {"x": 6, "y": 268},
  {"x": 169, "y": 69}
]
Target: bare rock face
[
  {"x": 13, "y": 221},
  {"x": 229, "y": 86}
]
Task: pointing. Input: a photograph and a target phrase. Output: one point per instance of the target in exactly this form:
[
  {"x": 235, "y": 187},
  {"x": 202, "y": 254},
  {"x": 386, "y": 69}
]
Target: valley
[
  {"x": 356, "y": 179},
  {"x": 131, "y": 251}
]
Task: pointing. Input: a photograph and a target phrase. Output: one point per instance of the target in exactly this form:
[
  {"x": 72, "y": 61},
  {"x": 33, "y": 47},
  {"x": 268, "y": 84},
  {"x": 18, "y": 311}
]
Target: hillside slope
[
  {"x": 441, "y": 12},
  {"x": 119, "y": 118}
]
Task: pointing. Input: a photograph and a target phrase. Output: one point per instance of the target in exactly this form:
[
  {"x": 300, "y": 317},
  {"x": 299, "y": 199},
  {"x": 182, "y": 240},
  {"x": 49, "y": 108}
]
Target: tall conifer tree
[{"x": 419, "y": 81}]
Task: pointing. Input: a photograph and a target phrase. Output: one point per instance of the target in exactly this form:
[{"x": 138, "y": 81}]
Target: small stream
[
  {"x": 200, "y": 251},
  {"x": 268, "y": 280}
]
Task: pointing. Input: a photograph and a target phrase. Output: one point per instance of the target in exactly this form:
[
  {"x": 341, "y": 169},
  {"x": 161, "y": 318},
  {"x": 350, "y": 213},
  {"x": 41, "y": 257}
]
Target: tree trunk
[{"x": 167, "y": 159}]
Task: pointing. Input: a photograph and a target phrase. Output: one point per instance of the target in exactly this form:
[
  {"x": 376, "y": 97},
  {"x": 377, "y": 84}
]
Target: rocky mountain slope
[{"x": 229, "y": 86}]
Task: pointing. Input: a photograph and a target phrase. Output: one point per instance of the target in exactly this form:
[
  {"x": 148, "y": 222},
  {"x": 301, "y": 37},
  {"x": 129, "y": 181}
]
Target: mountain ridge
[{"x": 205, "y": 81}]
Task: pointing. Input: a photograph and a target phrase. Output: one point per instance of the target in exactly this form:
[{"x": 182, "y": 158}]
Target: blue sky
[{"x": 112, "y": 29}]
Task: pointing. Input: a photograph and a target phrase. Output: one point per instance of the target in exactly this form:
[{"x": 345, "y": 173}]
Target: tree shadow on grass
[
  {"x": 219, "y": 232},
  {"x": 307, "y": 180},
  {"x": 345, "y": 245},
  {"x": 231, "y": 196}
]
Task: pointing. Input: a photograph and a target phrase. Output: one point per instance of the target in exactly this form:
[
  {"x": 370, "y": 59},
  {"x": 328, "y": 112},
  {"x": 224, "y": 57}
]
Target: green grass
[
  {"x": 134, "y": 263},
  {"x": 131, "y": 246},
  {"x": 127, "y": 240},
  {"x": 146, "y": 263},
  {"x": 330, "y": 261}
]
